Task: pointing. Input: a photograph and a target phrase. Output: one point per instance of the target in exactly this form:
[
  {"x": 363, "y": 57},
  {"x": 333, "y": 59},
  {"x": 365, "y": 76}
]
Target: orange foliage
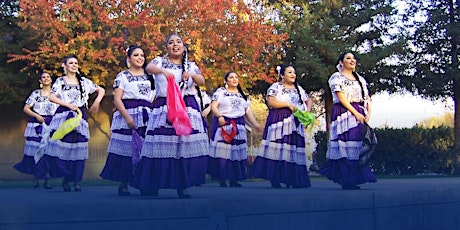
[{"x": 222, "y": 35}]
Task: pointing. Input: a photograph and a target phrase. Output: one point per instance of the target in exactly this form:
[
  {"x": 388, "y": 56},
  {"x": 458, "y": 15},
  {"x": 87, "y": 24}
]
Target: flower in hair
[{"x": 278, "y": 69}]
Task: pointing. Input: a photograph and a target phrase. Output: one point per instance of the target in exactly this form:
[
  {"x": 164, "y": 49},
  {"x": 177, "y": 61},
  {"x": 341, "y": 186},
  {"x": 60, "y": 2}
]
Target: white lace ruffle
[
  {"x": 31, "y": 147},
  {"x": 340, "y": 149},
  {"x": 165, "y": 146},
  {"x": 227, "y": 151},
  {"x": 68, "y": 151},
  {"x": 342, "y": 124},
  {"x": 283, "y": 128},
  {"x": 158, "y": 118},
  {"x": 282, "y": 152},
  {"x": 119, "y": 122},
  {"x": 60, "y": 118},
  {"x": 120, "y": 144}
]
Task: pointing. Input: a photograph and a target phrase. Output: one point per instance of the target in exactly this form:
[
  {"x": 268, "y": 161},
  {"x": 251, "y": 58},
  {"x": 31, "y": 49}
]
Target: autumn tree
[{"x": 221, "y": 35}]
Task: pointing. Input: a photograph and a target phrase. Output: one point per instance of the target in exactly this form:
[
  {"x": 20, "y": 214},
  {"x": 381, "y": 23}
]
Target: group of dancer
[{"x": 166, "y": 160}]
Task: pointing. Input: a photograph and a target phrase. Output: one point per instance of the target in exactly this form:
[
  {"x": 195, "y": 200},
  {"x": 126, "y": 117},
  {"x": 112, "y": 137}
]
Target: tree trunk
[{"x": 454, "y": 73}]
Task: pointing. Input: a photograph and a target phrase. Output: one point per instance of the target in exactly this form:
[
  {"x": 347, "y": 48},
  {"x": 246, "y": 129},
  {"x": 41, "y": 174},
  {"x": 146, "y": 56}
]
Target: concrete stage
[{"x": 416, "y": 203}]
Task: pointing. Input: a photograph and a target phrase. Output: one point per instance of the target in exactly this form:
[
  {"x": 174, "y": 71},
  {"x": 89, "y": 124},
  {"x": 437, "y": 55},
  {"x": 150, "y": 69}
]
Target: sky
[{"x": 404, "y": 111}]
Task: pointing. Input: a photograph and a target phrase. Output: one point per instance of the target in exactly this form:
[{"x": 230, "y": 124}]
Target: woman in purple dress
[
  {"x": 71, "y": 92},
  {"x": 350, "y": 110},
  {"x": 228, "y": 156},
  {"x": 169, "y": 160},
  {"x": 133, "y": 93},
  {"x": 40, "y": 111},
  {"x": 281, "y": 155}
]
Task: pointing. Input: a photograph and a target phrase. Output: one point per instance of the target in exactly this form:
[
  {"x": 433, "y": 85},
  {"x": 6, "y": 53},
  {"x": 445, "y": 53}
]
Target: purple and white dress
[
  {"x": 137, "y": 99},
  {"x": 228, "y": 161},
  {"x": 345, "y": 134},
  {"x": 281, "y": 155},
  {"x": 34, "y": 132},
  {"x": 169, "y": 161},
  {"x": 72, "y": 149}
]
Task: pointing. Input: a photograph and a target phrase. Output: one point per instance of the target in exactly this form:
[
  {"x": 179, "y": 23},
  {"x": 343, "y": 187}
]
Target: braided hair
[
  {"x": 129, "y": 52},
  {"x": 77, "y": 74},
  {"x": 281, "y": 70},
  {"x": 240, "y": 90}
]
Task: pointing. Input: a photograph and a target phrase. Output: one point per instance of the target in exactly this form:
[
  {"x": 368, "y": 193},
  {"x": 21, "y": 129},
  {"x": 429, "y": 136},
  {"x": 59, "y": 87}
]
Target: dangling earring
[
  {"x": 127, "y": 63},
  {"x": 41, "y": 85},
  {"x": 226, "y": 85},
  {"x": 65, "y": 71}
]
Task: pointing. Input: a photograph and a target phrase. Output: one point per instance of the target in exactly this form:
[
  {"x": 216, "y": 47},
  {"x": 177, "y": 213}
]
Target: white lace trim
[
  {"x": 119, "y": 122},
  {"x": 344, "y": 123},
  {"x": 120, "y": 144},
  {"x": 282, "y": 152},
  {"x": 228, "y": 151},
  {"x": 68, "y": 151},
  {"x": 340, "y": 149},
  {"x": 283, "y": 128},
  {"x": 162, "y": 146}
]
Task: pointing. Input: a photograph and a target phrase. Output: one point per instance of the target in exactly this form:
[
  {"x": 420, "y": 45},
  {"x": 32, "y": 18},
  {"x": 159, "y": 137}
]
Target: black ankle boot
[
  {"x": 276, "y": 184},
  {"x": 183, "y": 194},
  {"x": 222, "y": 183},
  {"x": 66, "y": 186},
  {"x": 47, "y": 185},
  {"x": 234, "y": 183},
  {"x": 123, "y": 191}
]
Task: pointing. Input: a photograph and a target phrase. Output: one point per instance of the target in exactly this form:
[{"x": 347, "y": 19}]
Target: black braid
[
  {"x": 298, "y": 91},
  {"x": 241, "y": 92},
  {"x": 184, "y": 60},
  {"x": 80, "y": 85},
  {"x": 152, "y": 81},
  {"x": 200, "y": 96}
]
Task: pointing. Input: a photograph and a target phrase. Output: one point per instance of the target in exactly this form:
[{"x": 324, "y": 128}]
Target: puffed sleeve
[
  {"x": 217, "y": 95},
  {"x": 120, "y": 81},
  {"x": 32, "y": 99},
  {"x": 90, "y": 85},
  {"x": 336, "y": 83},
  {"x": 56, "y": 89},
  {"x": 273, "y": 90}
]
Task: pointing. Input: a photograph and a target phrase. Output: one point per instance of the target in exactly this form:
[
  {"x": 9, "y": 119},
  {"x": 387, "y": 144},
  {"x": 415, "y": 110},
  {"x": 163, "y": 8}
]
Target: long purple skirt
[
  {"x": 345, "y": 143},
  {"x": 169, "y": 161},
  {"x": 281, "y": 155},
  {"x": 228, "y": 161},
  {"x": 119, "y": 166},
  {"x": 72, "y": 150},
  {"x": 33, "y": 135}
]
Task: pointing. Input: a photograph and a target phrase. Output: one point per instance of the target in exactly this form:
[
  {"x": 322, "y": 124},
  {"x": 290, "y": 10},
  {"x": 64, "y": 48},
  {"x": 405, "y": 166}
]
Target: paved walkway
[{"x": 425, "y": 203}]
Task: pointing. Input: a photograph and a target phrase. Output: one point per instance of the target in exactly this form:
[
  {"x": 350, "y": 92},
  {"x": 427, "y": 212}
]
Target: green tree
[
  {"x": 15, "y": 85},
  {"x": 431, "y": 66},
  {"x": 320, "y": 30}
]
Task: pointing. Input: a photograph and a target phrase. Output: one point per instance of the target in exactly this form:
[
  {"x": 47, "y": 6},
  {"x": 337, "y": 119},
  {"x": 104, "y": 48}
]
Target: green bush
[{"x": 407, "y": 151}]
